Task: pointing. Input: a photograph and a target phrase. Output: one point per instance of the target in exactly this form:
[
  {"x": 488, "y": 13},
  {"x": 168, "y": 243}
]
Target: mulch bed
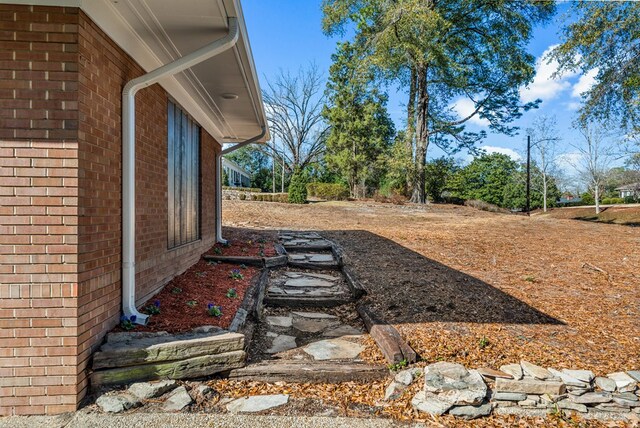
[{"x": 184, "y": 301}]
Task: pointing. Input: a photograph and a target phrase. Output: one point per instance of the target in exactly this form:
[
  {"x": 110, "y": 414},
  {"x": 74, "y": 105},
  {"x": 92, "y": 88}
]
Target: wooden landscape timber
[
  {"x": 387, "y": 338},
  {"x": 302, "y": 372}
]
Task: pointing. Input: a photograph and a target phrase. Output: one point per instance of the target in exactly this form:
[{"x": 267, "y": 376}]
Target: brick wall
[{"x": 60, "y": 202}]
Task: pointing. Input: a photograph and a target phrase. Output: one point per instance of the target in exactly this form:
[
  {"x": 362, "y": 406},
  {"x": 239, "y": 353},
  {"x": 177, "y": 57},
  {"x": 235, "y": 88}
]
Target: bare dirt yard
[{"x": 483, "y": 289}]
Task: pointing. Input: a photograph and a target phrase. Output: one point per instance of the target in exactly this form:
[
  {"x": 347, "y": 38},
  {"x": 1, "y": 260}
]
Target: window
[{"x": 183, "y": 154}]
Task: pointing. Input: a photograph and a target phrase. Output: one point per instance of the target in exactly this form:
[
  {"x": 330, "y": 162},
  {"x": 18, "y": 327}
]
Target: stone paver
[
  {"x": 284, "y": 322},
  {"x": 257, "y": 403},
  {"x": 333, "y": 349},
  {"x": 281, "y": 343}
]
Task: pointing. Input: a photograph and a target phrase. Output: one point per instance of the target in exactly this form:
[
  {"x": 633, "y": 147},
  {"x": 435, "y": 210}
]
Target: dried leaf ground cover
[{"x": 625, "y": 215}]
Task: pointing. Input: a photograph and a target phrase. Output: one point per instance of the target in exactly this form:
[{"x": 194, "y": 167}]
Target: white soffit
[{"x": 156, "y": 32}]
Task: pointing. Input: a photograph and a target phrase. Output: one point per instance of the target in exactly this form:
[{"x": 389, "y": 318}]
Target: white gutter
[
  {"x": 219, "y": 180},
  {"x": 129, "y": 156}
]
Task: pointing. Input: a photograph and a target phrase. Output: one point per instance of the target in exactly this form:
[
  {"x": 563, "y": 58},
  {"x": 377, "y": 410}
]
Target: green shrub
[
  {"x": 328, "y": 191},
  {"x": 612, "y": 201},
  {"x": 243, "y": 189},
  {"x": 298, "y": 188},
  {"x": 484, "y": 206},
  {"x": 631, "y": 199},
  {"x": 587, "y": 199},
  {"x": 242, "y": 196}
]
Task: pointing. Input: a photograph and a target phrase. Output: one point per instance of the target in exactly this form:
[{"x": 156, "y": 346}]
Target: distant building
[
  {"x": 238, "y": 177},
  {"x": 632, "y": 189}
]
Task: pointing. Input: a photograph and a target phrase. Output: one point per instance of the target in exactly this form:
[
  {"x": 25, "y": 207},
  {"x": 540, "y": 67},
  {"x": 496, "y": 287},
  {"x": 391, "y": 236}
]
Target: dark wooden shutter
[{"x": 183, "y": 153}]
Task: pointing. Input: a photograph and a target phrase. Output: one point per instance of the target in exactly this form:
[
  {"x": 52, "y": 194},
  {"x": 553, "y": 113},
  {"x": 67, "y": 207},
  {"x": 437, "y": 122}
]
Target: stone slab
[
  {"x": 515, "y": 370},
  {"x": 117, "y": 403},
  {"x": 492, "y": 374},
  {"x": 282, "y": 343},
  {"x": 535, "y": 371},
  {"x": 454, "y": 383},
  {"x": 321, "y": 258},
  {"x": 624, "y": 382},
  {"x": 568, "y": 379},
  {"x": 284, "y": 322},
  {"x": 138, "y": 350},
  {"x": 146, "y": 390},
  {"x": 509, "y": 396},
  {"x": 530, "y": 386},
  {"x": 471, "y": 412},
  {"x": 582, "y": 375},
  {"x": 182, "y": 369},
  {"x": 593, "y": 398},
  {"x": 257, "y": 403},
  {"x": 343, "y": 330},
  {"x": 333, "y": 349},
  {"x": 308, "y": 282},
  {"x": 430, "y": 403}
]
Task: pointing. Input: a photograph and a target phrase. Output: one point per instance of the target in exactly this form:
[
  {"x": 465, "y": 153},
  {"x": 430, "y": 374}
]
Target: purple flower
[
  {"x": 133, "y": 318},
  {"x": 157, "y": 303},
  {"x": 210, "y": 305},
  {"x": 124, "y": 318}
]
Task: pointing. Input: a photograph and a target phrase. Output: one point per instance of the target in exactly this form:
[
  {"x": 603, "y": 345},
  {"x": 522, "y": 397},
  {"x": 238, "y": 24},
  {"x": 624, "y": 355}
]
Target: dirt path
[{"x": 481, "y": 288}]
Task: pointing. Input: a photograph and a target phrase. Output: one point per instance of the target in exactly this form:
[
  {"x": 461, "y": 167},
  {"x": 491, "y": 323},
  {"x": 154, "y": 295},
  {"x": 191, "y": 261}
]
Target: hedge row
[
  {"x": 243, "y": 189},
  {"x": 270, "y": 197},
  {"x": 329, "y": 191}
]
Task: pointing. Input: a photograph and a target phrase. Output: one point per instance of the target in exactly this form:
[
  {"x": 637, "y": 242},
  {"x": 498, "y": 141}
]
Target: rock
[
  {"x": 515, "y": 370},
  {"x": 177, "y": 400},
  {"x": 613, "y": 407},
  {"x": 394, "y": 391},
  {"x": 509, "y": 396},
  {"x": 284, "y": 322},
  {"x": 570, "y": 405},
  {"x": 627, "y": 396},
  {"x": 471, "y": 412},
  {"x": 534, "y": 371},
  {"x": 593, "y": 398},
  {"x": 312, "y": 322},
  {"x": 635, "y": 374},
  {"x": 626, "y": 399},
  {"x": 343, "y": 330},
  {"x": 205, "y": 391},
  {"x": 552, "y": 399},
  {"x": 582, "y": 375},
  {"x": 577, "y": 391},
  {"x": 455, "y": 384},
  {"x": 333, "y": 349},
  {"x": 606, "y": 384},
  {"x": 430, "y": 403},
  {"x": 323, "y": 276},
  {"x": 487, "y": 372},
  {"x": 282, "y": 343},
  {"x": 257, "y": 403},
  {"x": 624, "y": 382},
  {"x": 313, "y": 315},
  {"x": 117, "y": 403},
  {"x": 152, "y": 389},
  {"x": 568, "y": 379},
  {"x": 406, "y": 377},
  {"x": 321, "y": 258},
  {"x": 308, "y": 282},
  {"x": 297, "y": 257},
  {"x": 530, "y": 386},
  {"x": 528, "y": 403}
]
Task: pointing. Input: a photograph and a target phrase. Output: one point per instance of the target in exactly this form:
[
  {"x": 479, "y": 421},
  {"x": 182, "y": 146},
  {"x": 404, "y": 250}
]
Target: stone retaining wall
[
  {"x": 520, "y": 388},
  {"x": 235, "y": 195}
]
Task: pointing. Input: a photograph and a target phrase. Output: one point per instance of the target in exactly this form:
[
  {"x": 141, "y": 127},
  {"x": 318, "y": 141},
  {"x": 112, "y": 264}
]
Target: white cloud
[
  {"x": 585, "y": 82},
  {"x": 544, "y": 86},
  {"x": 464, "y": 107},
  {"x": 505, "y": 151},
  {"x": 573, "y": 105}
]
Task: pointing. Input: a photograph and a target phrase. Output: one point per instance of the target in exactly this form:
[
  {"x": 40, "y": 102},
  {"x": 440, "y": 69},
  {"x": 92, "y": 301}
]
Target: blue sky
[{"x": 287, "y": 34}]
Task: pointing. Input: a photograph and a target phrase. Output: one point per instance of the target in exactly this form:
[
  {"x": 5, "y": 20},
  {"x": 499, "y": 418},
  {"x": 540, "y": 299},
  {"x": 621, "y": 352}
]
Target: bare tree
[
  {"x": 544, "y": 139},
  {"x": 294, "y": 110},
  {"x": 595, "y": 159}
]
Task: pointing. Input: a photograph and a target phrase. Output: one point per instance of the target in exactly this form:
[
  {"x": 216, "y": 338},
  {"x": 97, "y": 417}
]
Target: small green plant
[
  {"x": 176, "y": 290},
  {"x": 483, "y": 343},
  {"x": 213, "y": 310},
  {"x": 226, "y": 244},
  {"x": 530, "y": 278},
  {"x": 217, "y": 251},
  {"x": 243, "y": 266},
  {"x": 261, "y": 253},
  {"x": 235, "y": 274},
  {"x": 232, "y": 293},
  {"x": 192, "y": 303},
  {"x": 128, "y": 323},
  {"x": 398, "y": 366},
  {"x": 153, "y": 309}
]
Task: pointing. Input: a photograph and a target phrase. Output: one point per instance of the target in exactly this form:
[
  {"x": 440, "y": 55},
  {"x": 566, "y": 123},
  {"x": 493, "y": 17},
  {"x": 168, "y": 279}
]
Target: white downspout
[
  {"x": 219, "y": 237},
  {"x": 129, "y": 156}
]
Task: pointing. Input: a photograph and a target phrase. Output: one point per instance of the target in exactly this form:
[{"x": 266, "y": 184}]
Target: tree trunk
[
  {"x": 544, "y": 192},
  {"x": 411, "y": 123},
  {"x": 597, "y": 194},
  {"x": 422, "y": 138}
]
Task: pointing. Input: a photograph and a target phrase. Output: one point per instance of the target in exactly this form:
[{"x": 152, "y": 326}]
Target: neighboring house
[
  {"x": 632, "y": 189},
  {"x": 237, "y": 176},
  {"x": 107, "y": 195}
]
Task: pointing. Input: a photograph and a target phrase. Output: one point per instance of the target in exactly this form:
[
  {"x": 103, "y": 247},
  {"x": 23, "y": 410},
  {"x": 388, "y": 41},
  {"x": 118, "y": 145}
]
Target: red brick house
[{"x": 103, "y": 190}]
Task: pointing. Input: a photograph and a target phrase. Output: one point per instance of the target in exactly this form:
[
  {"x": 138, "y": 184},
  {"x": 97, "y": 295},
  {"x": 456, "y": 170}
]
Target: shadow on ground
[{"x": 407, "y": 287}]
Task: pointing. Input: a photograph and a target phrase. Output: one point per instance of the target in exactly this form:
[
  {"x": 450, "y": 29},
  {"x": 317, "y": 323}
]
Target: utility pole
[{"x": 528, "y": 173}]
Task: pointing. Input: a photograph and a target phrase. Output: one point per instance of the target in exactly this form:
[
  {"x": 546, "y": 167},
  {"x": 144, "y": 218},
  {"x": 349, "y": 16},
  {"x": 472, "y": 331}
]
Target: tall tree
[
  {"x": 458, "y": 49},
  {"x": 604, "y": 40},
  {"x": 544, "y": 139},
  {"x": 360, "y": 128},
  {"x": 294, "y": 112},
  {"x": 595, "y": 157}
]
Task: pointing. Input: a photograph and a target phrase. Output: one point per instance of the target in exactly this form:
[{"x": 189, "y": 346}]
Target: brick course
[{"x": 60, "y": 202}]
